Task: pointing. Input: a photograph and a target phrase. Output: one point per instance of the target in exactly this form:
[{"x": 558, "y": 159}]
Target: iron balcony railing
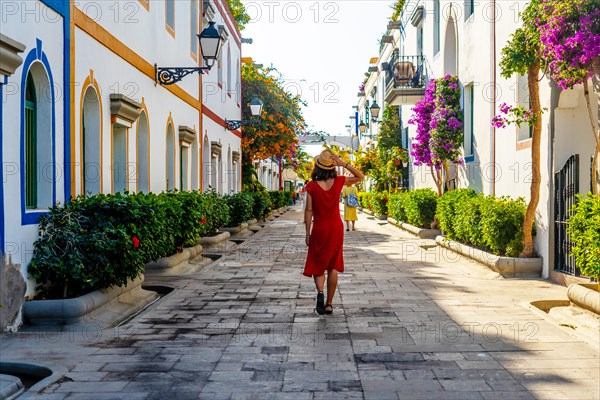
[{"x": 405, "y": 72}]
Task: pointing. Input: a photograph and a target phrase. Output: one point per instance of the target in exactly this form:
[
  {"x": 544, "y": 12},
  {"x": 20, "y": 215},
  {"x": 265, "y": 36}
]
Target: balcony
[{"x": 405, "y": 79}]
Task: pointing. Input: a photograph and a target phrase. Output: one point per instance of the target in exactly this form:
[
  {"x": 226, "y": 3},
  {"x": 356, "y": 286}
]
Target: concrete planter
[
  {"x": 235, "y": 230},
  {"x": 508, "y": 267},
  {"x": 217, "y": 242},
  {"x": 585, "y": 296},
  {"x": 109, "y": 306},
  {"x": 422, "y": 233},
  {"x": 209, "y": 241},
  {"x": 382, "y": 217},
  {"x": 368, "y": 212},
  {"x": 178, "y": 263}
]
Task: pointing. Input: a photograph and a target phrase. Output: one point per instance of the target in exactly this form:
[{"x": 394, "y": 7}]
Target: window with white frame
[
  {"x": 194, "y": 27},
  {"x": 525, "y": 131},
  {"x": 170, "y": 16}
]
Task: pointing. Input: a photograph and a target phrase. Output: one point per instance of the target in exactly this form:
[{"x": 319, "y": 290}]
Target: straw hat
[{"x": 324, "y": 160}]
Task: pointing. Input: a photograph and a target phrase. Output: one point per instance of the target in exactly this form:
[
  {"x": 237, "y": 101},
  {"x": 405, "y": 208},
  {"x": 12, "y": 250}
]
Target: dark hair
[{"x": 320, "y": 174}]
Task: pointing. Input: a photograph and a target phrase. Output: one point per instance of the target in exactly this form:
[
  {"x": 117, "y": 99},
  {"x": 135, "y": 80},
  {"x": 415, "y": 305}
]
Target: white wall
[{"x": 19, "y": 237}]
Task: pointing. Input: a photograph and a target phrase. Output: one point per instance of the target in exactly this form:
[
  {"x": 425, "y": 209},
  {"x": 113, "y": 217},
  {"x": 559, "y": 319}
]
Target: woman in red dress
[{"x": 325, "y": 241}]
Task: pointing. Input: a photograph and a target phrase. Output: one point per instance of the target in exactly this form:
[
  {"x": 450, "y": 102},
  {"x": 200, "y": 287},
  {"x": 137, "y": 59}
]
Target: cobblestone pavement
[{"x": 408, "y": 323}]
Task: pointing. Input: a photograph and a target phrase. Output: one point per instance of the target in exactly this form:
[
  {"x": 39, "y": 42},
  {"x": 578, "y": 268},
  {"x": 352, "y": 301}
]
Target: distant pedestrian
[
  {"x": 350, "y": 195},
  {"x": 326, "y": 239}
]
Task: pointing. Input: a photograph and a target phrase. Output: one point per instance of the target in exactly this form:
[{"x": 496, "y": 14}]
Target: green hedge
[
  {"x": 419, "y": 207},
  {"x": 415, "y": 207},
  {"x": 446, "y": 209},
  {"x": 261, "y": 204},
  {"x": 396, "y": 206},
  {"x": 584, "y": 228},
  {"x": 494, "y": 224},
  {"x": 240, "y": 208},
  {"x": 365, "y": 199},
  {"x": 379, "y": 200},
  {"x": 99, "y": 241},
  {"x": 280, "y": 198}
]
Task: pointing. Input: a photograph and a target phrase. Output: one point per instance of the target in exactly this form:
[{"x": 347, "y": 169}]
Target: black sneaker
[{"x": 320, "y": 308}]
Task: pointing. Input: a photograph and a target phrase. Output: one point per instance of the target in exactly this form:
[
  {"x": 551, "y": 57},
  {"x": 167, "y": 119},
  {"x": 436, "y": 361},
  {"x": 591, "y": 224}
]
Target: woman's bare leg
[
  {"x": 332, "y": 280},
  {"x": 320, "y": 282}
]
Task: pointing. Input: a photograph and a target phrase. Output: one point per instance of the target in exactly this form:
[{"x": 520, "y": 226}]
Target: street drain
[{"x": 162, "y": 291}]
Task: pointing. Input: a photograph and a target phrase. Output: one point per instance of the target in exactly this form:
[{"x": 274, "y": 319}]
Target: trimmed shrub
[
  {"x": 277, "y": 199},
  {"x": 365, "y": 200},
  {"x": 446, "y": 209},
  {"x": 287, "y": 198},
  {"x": 100, "y": 241},
  {"x": 240, "y": 208},
  {"x": 379, "y": 200},
  {"x": 261, "y": 204},
  {"x": 419, "y": 206},
  {"x": 502, "y": 222},
  {"x": 584, "y": 228},
  {"x": 396, "y": 206},
  {"x": 467, "y": 222}
]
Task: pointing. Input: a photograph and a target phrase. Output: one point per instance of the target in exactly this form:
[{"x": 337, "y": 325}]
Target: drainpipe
[{"x": 493, "y": 102}]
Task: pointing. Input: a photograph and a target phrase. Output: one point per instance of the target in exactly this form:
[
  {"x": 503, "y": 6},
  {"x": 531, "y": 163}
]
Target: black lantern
[
  {"x": 374, "y": 111},
  {"x": 256, "y": 106},
  {"x": 362, "y": 127},
  {"x": 210, "y": 46}
]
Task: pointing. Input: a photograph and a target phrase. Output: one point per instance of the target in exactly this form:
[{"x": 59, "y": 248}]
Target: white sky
[{"x": 322, "y": 48}]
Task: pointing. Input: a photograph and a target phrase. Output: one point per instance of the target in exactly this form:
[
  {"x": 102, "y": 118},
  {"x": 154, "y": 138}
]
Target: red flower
[
  {"x": 386, "y": 199},
  {"x": 136, "y": 242},
  {"x": 203, "y": 221}
]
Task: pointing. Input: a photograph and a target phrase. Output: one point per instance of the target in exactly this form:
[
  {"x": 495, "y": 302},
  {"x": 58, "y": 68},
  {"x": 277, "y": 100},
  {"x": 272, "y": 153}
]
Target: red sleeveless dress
[{"x": 325, "y": 250}]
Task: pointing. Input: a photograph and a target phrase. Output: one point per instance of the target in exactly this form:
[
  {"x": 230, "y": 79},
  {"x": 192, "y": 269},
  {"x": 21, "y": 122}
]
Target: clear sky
[{"x": 322, "y": 48}]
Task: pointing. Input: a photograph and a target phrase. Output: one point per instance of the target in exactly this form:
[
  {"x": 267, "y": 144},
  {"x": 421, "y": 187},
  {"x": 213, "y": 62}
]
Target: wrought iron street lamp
[
  {"x": 362, "y": 127},
  {"x": 210, "y": 46},
  {"x": 374, "y": 111},
  {"x": 255, "y": 108}
]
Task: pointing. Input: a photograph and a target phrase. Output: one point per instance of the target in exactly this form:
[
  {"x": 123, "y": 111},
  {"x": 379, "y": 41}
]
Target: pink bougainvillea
[
  {"x": 570, "y": 37},
  {"x": 438, "y": 117},
  {"x": 422, "y": 113}
]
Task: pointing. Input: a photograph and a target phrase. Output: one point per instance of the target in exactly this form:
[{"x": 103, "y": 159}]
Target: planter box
[
  {"x": 508, "y": 267},
  {"x": 369, "y": 212},
  {"x": 235, "y": 230},
  {"x": 585, "y": 296},
  {"x": 382, "y": 217},
  {"x": 179, "y": 263},
  {"x": 422, "y": 233},
  {"x": 216, "y": 243},
  {"x": 109, "y": 306}
]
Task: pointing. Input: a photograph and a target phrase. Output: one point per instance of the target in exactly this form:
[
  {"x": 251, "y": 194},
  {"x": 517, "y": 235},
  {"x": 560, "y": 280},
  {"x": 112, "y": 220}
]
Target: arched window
[
  {"x": 229, "y": 82},
  {"x": 170, "y": 157},
  {"x": 39, "y": 174},
  {"x": 91, "y": 143},
  {"x": 142, "y": 153},
  {"x": 206, "y": 164},
  {"x": 229, "y": 172},
  {"x": 220, "y": 69},
  {"x": 195, "y": 168},
  {"x": 31, "y": 186}
]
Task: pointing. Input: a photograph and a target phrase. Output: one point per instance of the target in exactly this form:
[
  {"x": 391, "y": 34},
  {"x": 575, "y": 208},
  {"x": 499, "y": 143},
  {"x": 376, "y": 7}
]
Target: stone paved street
[{"x": 408, "y": 323}]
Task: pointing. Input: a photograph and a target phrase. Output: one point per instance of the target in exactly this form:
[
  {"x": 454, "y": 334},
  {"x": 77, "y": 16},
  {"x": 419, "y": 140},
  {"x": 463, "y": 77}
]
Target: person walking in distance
[
  {"x": 350, "y": 195},
  {"x": 324, "y": 227}
]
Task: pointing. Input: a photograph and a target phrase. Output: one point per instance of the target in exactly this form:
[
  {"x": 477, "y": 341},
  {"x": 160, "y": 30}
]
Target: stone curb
[
  {"x": 75, "y": 310},
  {"x": 508, "y": 267},
  {"x": 252, "y": 222},
  {"x": 420, "y": 232},
  {"x": 213, "y": 240},
  {"x": 56, "y": 372},
  {"x": 172, "y": 261},
  {"x": 585, "y": 296}
]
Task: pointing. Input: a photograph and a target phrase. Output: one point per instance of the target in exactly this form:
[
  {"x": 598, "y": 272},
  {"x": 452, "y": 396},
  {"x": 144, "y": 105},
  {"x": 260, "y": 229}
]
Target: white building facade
[
  {"x": 465, "y": 38},
  {"x": 83, "y": 113}
]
